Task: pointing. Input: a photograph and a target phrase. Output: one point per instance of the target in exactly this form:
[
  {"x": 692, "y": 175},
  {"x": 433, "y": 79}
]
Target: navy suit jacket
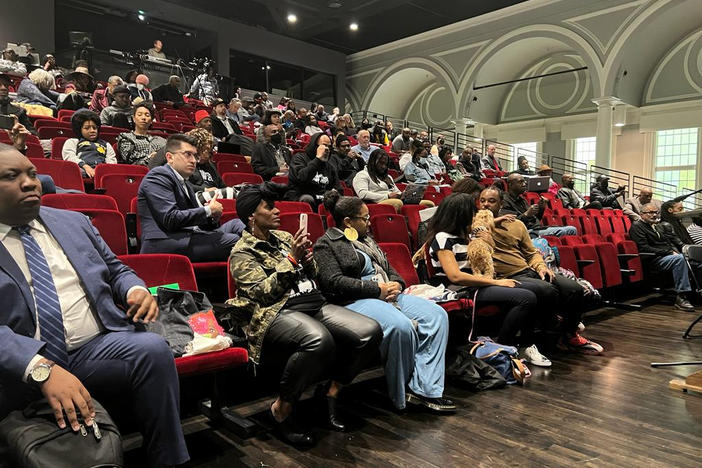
[
  {"x": 105, "y": 280},
  {"x": 165, "y": 210}
]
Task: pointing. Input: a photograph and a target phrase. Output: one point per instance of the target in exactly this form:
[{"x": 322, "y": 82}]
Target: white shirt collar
[
  {"x": 180, "y": 177},
  {"x": 34, "y": 224}
]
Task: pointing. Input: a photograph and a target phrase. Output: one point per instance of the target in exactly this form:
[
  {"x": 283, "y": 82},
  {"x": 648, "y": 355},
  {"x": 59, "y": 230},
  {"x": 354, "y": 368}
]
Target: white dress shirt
[{"x": 80, "y": 322}]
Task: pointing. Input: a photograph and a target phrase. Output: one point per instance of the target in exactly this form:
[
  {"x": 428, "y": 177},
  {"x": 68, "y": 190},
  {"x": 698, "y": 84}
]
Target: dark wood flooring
[{"x": 610, "y": 410}]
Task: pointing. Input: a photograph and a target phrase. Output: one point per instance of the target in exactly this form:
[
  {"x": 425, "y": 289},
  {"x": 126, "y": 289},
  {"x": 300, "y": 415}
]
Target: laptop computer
[{"x": 538, "y": 183}]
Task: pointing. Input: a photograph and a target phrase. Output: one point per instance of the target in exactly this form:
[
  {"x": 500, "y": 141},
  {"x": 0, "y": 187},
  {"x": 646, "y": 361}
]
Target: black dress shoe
[
  {"x": 288, "y": 431},
  {"x": 683, "y": 304},
  {"x": 334, "y": 421},
  {"x": 438, "y": 405}
]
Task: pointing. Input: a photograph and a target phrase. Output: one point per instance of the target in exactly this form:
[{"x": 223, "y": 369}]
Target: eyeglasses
[
  {"x": 188, "y": 154},
  {"x": 344, "y": 146},
  {"x": 650, "y": 212},
  {"x": 365, "y": 218}
]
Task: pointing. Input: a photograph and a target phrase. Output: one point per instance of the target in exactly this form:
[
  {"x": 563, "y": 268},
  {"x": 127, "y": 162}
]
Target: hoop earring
[{"x": 351, "y": 234}]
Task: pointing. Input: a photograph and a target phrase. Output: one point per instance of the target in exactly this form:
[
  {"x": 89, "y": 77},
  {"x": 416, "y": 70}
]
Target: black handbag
[
  {"x": 34, "y": 440},
  {"x": 413, "y": 194}
]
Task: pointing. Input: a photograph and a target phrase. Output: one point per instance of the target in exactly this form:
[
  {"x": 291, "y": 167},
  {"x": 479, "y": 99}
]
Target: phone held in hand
[
  {"x": 303, "y": 223},
  {"x": 6, "y": 122}
]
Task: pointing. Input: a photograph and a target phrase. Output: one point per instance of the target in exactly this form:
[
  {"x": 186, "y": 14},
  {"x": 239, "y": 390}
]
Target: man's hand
[
  {"x": 18, "y": 133},
  {"x": 394, "y": 195},
  {"x": 89, "y": 171},
  {"x": 323, "y": 152},
  {"x": 353, "y": 154},
  {"x": 547, "y": 274},
  {"x": 66, "y": 394},
  {"x": 508, "y": 218},
  {"x": 215, "y": 207},
  {"x": 532, "y": 210},
  {"x": 142, "y": 306}
]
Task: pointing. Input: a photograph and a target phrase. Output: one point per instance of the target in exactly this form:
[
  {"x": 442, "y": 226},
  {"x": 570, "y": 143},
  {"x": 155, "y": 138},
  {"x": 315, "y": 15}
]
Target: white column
[{"x": 605, "y": 108}]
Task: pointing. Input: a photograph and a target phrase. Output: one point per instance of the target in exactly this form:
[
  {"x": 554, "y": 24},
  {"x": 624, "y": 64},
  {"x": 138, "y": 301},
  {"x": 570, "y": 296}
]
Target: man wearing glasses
[
  {"x": 171, "y": 220},
  {"x": 662, "y": 252}
]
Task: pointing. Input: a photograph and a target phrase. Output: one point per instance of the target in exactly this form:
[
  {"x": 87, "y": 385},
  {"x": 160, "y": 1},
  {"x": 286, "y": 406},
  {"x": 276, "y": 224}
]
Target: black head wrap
[{"x": 249, "y": 197}]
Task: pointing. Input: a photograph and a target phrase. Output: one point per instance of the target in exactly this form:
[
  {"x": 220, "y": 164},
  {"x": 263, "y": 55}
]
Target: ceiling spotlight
[
  {"x": 334, "y": 4},
  {"x": 188, "y": 33},
  {"x": 353, "y": 26},
  {"x": 141, "y": 17},
  {"x": 292, "y": 18}
]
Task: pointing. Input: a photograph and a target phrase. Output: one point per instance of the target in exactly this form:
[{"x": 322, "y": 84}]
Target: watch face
[{"x": 41, "y": 373}]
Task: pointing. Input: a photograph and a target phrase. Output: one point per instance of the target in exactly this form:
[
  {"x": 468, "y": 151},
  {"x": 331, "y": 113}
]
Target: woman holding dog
[
  {"x": 448, "y": 239},
  {"x": 354, "y": 272}
]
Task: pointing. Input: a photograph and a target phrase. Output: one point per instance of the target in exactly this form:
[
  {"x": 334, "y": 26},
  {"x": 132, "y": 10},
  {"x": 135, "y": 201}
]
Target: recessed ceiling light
[
  {"x": 292, "y": 18},
  {"x": 353, "y": 26},
  {"x": 141, "y": 17}
]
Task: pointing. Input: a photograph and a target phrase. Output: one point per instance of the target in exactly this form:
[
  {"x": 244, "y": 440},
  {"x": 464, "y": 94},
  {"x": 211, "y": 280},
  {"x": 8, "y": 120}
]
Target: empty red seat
[
  {"x": 553, "y": 240},
  {"x": 237, "y": 178},
  {"x": 57, "y": 147},
  {"x": 79, "y": 201},
  {"x": 101, "y": 170},
  {"x": 33, "y": 150},
  {"x": 293, "y": 207},
  {"x": 110, "y": 225},
  {"x": 390, "y": 228},
  {"x": 290, "y": 222},
  {"x": 603, "y": 225},
  {"x": 589, "y": 264},
  {"x": 66, "y": 174},
  {"x": 231, "y": 166},
  {"x": 411, "y": 212},
  {"x": 47, "y": 133},
  {"x": 568, "y": 260},
  {"x": 379, "y": 208},
  {"x": 433, "y": 195},
  {"x": 571, "y": 240},
  {"x": 122, "y": 187},
  {"x": 618, "y": 225},
  {"x": 588, "y": 227}
]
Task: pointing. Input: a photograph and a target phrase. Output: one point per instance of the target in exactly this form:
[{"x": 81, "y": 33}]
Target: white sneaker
[
  {"x": 581, "y": 327},
  {"x": 533, "y": 356}
]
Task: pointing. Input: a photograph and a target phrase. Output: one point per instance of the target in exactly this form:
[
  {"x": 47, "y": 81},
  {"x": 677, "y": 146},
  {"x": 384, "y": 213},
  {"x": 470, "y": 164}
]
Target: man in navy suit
[
  {"x": 171, "y": 220},
  {"x": 64, "y": 332}
]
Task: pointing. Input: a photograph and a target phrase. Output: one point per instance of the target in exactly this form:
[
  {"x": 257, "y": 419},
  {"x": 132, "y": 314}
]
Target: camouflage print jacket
[{"x": 264, "y": 278}]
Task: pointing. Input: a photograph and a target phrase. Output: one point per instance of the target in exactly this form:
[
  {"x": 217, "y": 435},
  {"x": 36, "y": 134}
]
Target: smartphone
[
  {"x": 303, "y": 223},
  {"x": 7, "y": 122}
]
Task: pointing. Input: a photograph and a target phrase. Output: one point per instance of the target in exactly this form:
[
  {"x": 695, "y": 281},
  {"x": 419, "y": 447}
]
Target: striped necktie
[{"x": 47, "y": 301}]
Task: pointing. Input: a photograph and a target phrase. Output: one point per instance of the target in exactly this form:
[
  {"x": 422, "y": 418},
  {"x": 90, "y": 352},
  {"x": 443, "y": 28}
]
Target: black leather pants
[{"x": 335, "y": 342}]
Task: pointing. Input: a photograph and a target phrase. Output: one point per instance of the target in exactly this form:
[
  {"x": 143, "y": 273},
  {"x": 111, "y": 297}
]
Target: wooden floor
[{"x": 611, "y": 410}]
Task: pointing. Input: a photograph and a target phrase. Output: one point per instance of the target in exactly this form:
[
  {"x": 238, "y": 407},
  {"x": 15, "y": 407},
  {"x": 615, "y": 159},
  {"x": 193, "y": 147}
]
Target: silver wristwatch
[{"x": 41, "y": 372}]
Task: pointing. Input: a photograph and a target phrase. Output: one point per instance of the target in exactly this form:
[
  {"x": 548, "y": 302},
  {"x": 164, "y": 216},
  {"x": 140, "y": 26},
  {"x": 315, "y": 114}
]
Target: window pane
[{"x": 676, "y": 157}]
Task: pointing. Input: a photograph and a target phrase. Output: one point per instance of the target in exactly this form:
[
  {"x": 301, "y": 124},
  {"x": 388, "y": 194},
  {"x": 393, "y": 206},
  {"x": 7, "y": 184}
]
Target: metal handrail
[
  {"x": 613, "y": 174},
  {"x": 661, "y": 190}
]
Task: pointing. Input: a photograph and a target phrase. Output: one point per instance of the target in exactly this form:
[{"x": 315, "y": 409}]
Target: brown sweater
[{"x": 514, "y": 251}]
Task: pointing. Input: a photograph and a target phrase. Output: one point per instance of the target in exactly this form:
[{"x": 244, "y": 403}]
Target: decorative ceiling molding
[
  {"x": 685, "y": 57},
  {"x": 458, "y": 59},
  {"x": 610, "y": 22}
]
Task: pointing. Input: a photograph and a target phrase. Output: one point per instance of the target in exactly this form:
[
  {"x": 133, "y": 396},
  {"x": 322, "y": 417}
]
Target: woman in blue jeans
[{"x": 354, "y": 272}]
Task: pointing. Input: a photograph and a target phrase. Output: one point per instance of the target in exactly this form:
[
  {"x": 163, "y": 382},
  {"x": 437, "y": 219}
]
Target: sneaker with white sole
[
  {"x": 533, "y": 356},
  {"x": 579, "y": 344}
]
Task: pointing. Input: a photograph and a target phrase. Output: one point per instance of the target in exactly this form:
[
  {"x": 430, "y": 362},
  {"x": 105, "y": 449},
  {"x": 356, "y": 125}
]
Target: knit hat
[
  {"x": 251, "y": 196},
  {"x": 142, "y": 79},
  {"x": 201, "y": 114}
]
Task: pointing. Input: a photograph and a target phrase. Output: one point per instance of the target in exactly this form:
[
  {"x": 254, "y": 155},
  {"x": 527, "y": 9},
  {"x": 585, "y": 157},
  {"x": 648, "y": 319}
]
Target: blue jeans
[
  {"x": 678, "y": 267},
  {"x": 558, "y": 231},
  {"x": 411, "y": 357}
]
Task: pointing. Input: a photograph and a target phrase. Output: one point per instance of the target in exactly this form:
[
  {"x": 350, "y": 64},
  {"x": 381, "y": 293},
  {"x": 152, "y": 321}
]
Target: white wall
[{"x": 28, "y": 21}]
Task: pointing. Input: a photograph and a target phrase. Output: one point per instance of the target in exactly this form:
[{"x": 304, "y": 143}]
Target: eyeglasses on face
[
  {"x": 650, "y": 212},
  {"x": 188, "y": 154},
  {"x": 365, "y": 218}
]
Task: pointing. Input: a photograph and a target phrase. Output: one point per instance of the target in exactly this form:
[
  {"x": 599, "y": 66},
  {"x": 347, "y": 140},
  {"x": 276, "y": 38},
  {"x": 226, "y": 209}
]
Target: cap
[
  {"x": 200, "y": 115},
  {"x": 217, "y": 102},
  {"x": 120, "y": 89},
  {"x": 258, "y": 96},
  {"x": 142, "y": 79},
  {"x": 544, "y": 168},
  {"x": 601, "y": 177}
]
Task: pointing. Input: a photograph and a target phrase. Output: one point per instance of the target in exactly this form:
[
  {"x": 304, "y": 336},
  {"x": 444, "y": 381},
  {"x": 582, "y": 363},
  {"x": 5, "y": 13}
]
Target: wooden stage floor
[{"x": 611, "y": 410}]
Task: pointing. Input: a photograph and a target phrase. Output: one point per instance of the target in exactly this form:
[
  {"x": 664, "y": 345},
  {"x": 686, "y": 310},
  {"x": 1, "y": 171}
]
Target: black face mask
[{"x": 276, "y": 138}]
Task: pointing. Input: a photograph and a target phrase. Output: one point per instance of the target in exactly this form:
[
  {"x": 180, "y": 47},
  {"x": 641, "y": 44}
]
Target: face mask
[
  {"x": 570, "y": 184},
  {"x": 276, "y": 138},
  {"x": 140, "y": 86}
]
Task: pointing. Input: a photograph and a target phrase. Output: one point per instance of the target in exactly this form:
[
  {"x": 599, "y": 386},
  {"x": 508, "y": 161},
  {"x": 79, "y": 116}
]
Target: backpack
[{"x": 503, "y": 358}]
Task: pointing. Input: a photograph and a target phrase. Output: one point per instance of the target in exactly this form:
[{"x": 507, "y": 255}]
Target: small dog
[{"x": 480, "y": 251}]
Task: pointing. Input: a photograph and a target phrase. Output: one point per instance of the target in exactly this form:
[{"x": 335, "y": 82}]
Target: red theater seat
[
  {"x": 66, "y": 174},
  {"x": 390, "y": 228},
  {"x": 110, "y": 225},
  {"x": 77, "y": 201},
  {"x": 231, "y": 179}
]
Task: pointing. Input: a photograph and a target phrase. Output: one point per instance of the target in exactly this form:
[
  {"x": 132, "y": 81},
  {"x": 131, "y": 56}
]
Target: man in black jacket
[
  {"x": 346, "y": 162},
  {"x": 8, "y": 109},
  {"x": 661, "y": 249},
  {"x": 270, "y": 155},
  {"x": 169, "y": 93},
  {"x": 601, "y": 192},
  {"x": 222, "y": 125}
]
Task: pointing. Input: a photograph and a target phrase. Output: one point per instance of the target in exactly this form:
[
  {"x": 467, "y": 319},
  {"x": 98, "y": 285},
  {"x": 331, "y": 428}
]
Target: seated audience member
[
  {"x": 334, "y": 116},
  {"x": 401, "y": 142},
  {"x": 378, "y": 134},
  {"x": 469, "y": 165},
  {"x": 156, "y": 50},
  {"x": 293, "y": 331},
  {"x": 118, "y": 114},
  {"x": 572, "y": 198},
  {"x": 523, "y": 167},
  {"x": 311, "y": 173},
  {"x": 515, "y": 257},
  {"x": 406, "y": 157},
  {"x": 516, "y": 204},
  {"x": 438, "y": 144},
  {"x": 354, "y": 271},
  {"x": 601, "y": 192},
  {"x": 282, "y": 104},
  {"x": 446, "y": 155},
  {"x": 38, "y": 88},
  {"x": 51, "y": 66},
  {"x": 171, "y": 220},
  {"x": 346, "y": 162},
  {"x": 364, "y": 148},
  {"x": 259, "y": 108},
  {"x": 346, "y": 125},
  {"x": 222, "y": 125},
  {"x": 205, "y": 177},
  {"x": 448, "y": 238},
  {"x": 6, "y": 108},
  {"x": 138, "y": 90},
  {"x": 301, "y": 121},
  {"x": 87, "y": 149},
  {"x": 169, "y": 93},
  {"x": 390, "y": 130},
  {"x": 374, "y": 185},
  {"x": 270, "y": 155},
  {"x": 205, "y": 87},
  {"x": 695, "y": 230},
  {"x": 311, "y": 128},
  {"x": 271, "y": 117},
  {"x": 138, "y": 146},
  {"x": 130, "y": 76},
  {"x": 70, "y": 99},
  {"x": 490, "y": 161},
  {"x": 672, "y": 213},
  {"x": 203, "y": 120},
  {"x": 320, "y": 114},
  {"x": 545, "y": 171},
  {"x": 417, "y": 170},
  {"x": 632, "y": 207},
  {"x": 436, "y": 165},
  {"x": 658, "y": 238},
  {"x": 81, "y": 78},
  {"x": 238, "y": 113},
  {"x": 78, "y": 342},
  {"x": 288, "y": 122},
  {"x": 291, "y": 106},
  {"x": 104, "y": 97}
]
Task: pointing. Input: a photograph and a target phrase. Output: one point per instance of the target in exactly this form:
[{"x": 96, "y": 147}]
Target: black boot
[
  {"x": 334, "y": 422},
  {"x": 287, "y": 431}
]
